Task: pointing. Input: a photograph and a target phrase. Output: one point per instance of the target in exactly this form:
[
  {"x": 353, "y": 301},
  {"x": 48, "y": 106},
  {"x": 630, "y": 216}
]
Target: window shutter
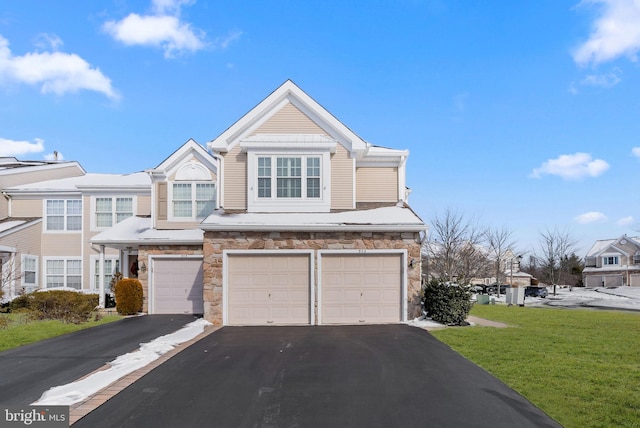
[{"x": 162, "y": 201}]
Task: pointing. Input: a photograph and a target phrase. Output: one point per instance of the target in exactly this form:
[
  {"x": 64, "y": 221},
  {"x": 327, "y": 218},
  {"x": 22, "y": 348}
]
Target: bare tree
[
  {"x": 499, "y": 241},
  {"x": 453, "y": 248},
  {"x": 8, "y": 275},
  {"x": 556, "y": 247}
]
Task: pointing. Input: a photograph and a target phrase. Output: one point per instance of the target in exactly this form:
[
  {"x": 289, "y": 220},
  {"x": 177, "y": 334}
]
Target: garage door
[
  {"x": 357, "y": 288},
  {"x": 177, "y": 286},
  {"x": 268, "y": 289}
]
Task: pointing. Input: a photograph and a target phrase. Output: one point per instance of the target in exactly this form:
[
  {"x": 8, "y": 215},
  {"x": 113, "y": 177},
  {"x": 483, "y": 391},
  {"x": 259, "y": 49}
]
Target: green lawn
[
  {"x": 20, "y": 331},
  {"x": 582, "y": 367}
]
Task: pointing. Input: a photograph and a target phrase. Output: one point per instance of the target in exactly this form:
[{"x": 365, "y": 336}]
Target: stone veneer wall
[
  {"x": 216, "y": 242},
  {"x": 143, "y": 256}
]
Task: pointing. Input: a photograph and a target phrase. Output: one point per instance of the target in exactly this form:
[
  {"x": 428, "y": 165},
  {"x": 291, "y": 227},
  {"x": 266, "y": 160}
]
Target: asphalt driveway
[
  {"x": 344, "y": 376},
  {"x": 28, "y": 371}
]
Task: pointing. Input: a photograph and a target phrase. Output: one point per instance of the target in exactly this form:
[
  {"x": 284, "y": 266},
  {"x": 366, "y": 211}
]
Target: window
[
  {"x": 63, "y": 273},
  {"x": 64, "y": 214},
  {"x": 193, "y": 200},
  {"x": 111, "y": 266},
  {"x": 110, "y": 211},
  {"x": 292, "y": 180},
  {"x": 610, "y": 260},
  {"x": 29, "y": 272}
]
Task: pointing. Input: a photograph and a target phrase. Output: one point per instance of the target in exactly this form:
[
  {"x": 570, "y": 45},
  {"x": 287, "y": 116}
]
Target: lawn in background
[
  {"x": 21, "y": 331},
  {"x": 581, "y": 367}
]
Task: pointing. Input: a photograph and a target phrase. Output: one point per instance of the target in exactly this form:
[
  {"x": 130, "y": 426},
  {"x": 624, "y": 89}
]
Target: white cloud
[
  {"x": 607, "y": 80},
  {"x": 636, "y": 152},
  {"x": 13, "y": 148},
  {"x": 625, "y": 221},
  {"x": 572, "y": 167},
  {"x": 224, "y": 42},
  {"x": 54, "y": 72},
  {"x": 591, "y": 217},
  {"x": 615, "y": 33},
  {"x": 163, "y": 28}
]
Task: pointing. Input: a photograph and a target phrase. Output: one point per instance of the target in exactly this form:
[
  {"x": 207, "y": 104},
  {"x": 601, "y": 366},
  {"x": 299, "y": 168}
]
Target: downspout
[
  {"x": 9, "y": 204},
  {"x": 101, "y": 278},
  {"x": 220, "y": 179}
]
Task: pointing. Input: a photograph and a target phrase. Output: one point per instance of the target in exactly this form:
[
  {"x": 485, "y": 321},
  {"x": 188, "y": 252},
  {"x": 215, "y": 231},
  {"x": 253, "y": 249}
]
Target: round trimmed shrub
[
  {"x": 128, "y": 293},
  {"x": 446, "y": 302}
]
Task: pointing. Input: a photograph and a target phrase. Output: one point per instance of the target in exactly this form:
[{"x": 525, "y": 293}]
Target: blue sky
[{"x": 525, "y": 115}]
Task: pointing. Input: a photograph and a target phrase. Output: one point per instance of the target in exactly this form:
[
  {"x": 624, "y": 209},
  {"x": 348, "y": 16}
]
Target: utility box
[
  {"x": 515, "y": 296},
  {"x": 482, "y": 299}
]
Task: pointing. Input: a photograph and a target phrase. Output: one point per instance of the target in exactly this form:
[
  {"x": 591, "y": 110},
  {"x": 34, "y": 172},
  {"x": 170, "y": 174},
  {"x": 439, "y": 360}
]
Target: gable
[{"x": 289, "y": 120}]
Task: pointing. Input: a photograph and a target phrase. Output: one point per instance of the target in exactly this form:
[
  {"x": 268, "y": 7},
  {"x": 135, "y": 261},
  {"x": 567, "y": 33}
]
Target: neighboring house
[
  {"x": 20, "y": 232},
  {"x": 613, "y": 262},
  {"x": 288, "y": 217}
]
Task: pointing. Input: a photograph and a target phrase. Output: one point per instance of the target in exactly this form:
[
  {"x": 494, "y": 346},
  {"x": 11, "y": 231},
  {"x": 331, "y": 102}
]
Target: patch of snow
[
  {"x": 74, "y": 392},
  {"x": 424, "y": 322}
]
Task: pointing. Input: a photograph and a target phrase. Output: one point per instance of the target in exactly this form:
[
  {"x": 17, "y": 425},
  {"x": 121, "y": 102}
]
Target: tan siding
[
  {"x": 26, "y": 208},
  {"x": 235, "y": 180},
  {"x": 4, "y": 207},
  {"x": 143, "y": 205},
  {"x": 377, "y": 184},
  {"x": 289, "y": 120},
  {"x": 165, "y": 224},
  {"x": 161, "y": 209},
  {"x": 25, "y": 241},
  {"x": 341, "y": 180}
]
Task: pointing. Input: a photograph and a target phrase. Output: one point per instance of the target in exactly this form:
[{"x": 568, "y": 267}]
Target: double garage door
[{"x": 264, "y": 289}]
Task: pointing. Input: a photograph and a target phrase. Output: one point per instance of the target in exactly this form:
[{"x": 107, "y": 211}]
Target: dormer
[{"x": 185, "y": 188}]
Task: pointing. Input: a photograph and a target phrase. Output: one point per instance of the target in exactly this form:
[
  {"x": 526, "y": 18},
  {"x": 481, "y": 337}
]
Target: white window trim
[
  {"x": 23, "y": 271},
  {"x": 606, "y": 256},
  {"x": 275, "y": 204},
  {"x": 171, "y": 217},
  {"x": 93, "y": 202},
  {"x": 65, "y": 258},
  {"x": 92, "y": 269},
  {"x": 45, "y": 227}
]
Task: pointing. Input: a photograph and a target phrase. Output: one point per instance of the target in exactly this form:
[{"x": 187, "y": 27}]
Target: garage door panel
[
  {"x": 279, "y": 286},
  {"x": 177, "y": 286},
  {"x": 361, "y": 288}
]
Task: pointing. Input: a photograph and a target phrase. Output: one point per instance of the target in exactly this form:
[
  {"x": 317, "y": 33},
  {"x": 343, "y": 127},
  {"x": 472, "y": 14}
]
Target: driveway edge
[{"x": 78, "y": 410}]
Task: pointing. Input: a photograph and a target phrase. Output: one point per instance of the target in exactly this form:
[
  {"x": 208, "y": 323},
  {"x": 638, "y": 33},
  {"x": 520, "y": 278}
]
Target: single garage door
[
  {"x": 177, "y": 286},
  {"x": 361, "y": 288},
  {"x": 267, "y": 289}
]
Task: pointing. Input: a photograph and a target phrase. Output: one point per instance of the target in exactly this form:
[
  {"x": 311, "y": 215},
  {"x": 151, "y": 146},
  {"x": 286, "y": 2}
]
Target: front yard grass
[
  {"x": 581, "y": 367},
  {"x": 20, "y": 330}
]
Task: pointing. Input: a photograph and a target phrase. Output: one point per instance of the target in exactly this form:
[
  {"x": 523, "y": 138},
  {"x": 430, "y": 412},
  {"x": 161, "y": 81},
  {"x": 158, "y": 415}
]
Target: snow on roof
[
  {"x": 602, "y": 245},
  {"x": 396, "y": 218},
  {"x": 139, "y": 231},
  {"x": 89, "y": 181},
  {"x": 6, "y": 225}
]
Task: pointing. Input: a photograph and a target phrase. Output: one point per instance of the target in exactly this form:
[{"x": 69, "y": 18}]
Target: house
[
  {"x": 287, "y": 217},
  {"x": 613, "y": 263}
]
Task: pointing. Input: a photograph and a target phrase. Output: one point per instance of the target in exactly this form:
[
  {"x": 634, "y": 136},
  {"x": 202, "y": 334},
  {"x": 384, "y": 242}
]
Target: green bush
[
  {"x": 128, "y": 296},
  {"x": 447, "y": 303},
  {"x": 67, "y": 306}
]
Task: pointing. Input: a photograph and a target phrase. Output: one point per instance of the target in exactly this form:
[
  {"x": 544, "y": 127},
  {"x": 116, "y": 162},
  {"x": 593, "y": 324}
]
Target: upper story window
[
  {"x": 288, "y": 182},
  {"x": 112, "y": 210},
  {"x": 63, "y": 214},
  {"x": 193, "y": 200},
  {"x": 610, "y": 260}
]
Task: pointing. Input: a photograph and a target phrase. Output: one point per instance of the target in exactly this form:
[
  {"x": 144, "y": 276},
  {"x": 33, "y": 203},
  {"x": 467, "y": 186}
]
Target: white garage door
[
  {"x": 177, "y": 286},
  {"x": 357, "y": 288},
  {"x": 267, "y": 289}
]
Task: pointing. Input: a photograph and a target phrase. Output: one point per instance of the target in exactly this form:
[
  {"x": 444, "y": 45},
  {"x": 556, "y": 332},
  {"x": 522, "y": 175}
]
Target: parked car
[{"x": 533, "y": 291}]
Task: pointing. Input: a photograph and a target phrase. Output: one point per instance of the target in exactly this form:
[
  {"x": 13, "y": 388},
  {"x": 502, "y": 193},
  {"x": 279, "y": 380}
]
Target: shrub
[
  {"x": 447, "y": 303},
  {"x": 128, "y": 296},
  {"x": 63, "y": 305},
  {"x": 4, "y": 321}
]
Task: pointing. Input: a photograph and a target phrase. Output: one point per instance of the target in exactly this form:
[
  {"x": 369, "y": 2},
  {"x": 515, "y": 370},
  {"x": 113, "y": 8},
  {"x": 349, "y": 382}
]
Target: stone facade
[
  {"x": 143, "y": 256},
  {"x": 215, "y": 243}
]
